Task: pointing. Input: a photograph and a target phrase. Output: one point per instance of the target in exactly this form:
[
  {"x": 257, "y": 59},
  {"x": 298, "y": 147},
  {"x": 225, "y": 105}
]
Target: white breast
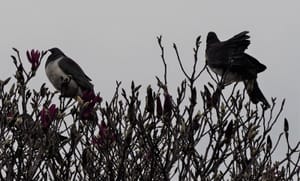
[{"x": 57, "y": 76}]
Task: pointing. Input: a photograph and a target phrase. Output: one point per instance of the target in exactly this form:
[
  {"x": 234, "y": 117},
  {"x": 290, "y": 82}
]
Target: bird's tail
[{"x": 255, "y": 93}]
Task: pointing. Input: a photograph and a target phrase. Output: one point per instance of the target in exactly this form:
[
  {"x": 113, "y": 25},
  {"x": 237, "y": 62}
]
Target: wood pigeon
[
  {"x": 66, "y": 75},
  {"x": 229, "y": 60}
]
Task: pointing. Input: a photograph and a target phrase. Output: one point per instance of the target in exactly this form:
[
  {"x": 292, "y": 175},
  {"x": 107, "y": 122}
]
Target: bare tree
[{"x": 197, "y": 134}]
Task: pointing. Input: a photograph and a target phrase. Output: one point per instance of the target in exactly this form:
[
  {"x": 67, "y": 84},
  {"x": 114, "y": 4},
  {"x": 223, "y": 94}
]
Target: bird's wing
[
  {"x": 219, "y": 53},
  {"x": 241, "y": 36},
  {"x": 237, "y": 44},
  {"x": 247, "y": 61},
  {"x": 72, "y": 68},
  {"x": 246, "y": 65},
  {"x": 235, "y": 47}
]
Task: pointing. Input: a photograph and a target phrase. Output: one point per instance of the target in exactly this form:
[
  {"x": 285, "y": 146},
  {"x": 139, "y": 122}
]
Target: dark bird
[
  {"x": 229, "y": 60},
  {"x": 66, "y": 75}
]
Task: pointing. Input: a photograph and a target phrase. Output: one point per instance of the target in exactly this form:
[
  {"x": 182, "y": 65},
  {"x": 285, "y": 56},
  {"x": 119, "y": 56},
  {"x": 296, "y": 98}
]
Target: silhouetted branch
[
  {"x": 179, "y": 61},
  {"x": 159, "y": 39}
]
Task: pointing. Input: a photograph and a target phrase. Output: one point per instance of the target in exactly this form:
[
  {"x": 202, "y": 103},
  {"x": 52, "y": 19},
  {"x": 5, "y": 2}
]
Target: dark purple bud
[
  {"x": 269, "y": 144},
  {"x": 216, "y": 97},
  {"x": 193, "y": 98},
  {"x": 48, "y": 115},
  {"x": 105, "y": 136},
  {"x": 44, "y": 117},
  {"x": 286, "y": 125},
  {"x": 34, "y": 58},
  {"x": 207, "y": 98},
  {"x": 229, "y": 132},
  {"x": 90, "y": 96},
  {"x": 158, "y": 107},
  {"x": 43, "y": 90},
  {"x": 90, "y": 99},
  {"x": 53, "y": 110},
  {"x": 103, "y": 129},
  {"x": 149, "y": 101},
  {"x": 168, "y": 106},
  {"x": 286, "y": 128},
  {"x": 198, "y": 41}
]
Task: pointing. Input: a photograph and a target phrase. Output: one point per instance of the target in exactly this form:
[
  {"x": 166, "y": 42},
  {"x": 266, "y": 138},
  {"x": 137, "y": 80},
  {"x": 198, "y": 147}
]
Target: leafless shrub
[{"x": 170, "y": 137}]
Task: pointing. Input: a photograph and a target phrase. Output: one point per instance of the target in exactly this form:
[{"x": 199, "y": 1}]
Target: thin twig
[
  {"x": 159, "y": 40},
  {"x": 180, "y": 63}
]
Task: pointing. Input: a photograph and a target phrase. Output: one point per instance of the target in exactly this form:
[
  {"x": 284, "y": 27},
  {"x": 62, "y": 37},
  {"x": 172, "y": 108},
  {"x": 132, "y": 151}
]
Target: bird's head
[
  {"x": 212, "y": 38},
  {"x": 55, "y": 51}
]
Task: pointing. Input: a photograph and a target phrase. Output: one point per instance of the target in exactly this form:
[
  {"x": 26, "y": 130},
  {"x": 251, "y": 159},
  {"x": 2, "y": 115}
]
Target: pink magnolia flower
[
  {"x": 105, "y": 136},
  {"x": 90, "y": 98},
  {"x": 48, "y": 115},
  {"x": 34, "y": 58}
]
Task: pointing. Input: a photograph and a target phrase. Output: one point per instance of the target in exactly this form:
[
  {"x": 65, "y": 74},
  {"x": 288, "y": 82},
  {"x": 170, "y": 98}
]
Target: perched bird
[
  {"x": 229, "y": 60},
  {"x": 66, "y": 75}
]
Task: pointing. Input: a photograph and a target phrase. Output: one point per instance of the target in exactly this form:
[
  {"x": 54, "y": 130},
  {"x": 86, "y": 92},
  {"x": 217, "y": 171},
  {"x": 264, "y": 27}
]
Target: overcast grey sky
[{"x": 117, "y": 40}]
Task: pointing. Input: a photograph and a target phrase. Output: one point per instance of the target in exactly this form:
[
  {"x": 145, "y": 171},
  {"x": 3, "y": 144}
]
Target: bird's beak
[{"x": 48, "y": 52}]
